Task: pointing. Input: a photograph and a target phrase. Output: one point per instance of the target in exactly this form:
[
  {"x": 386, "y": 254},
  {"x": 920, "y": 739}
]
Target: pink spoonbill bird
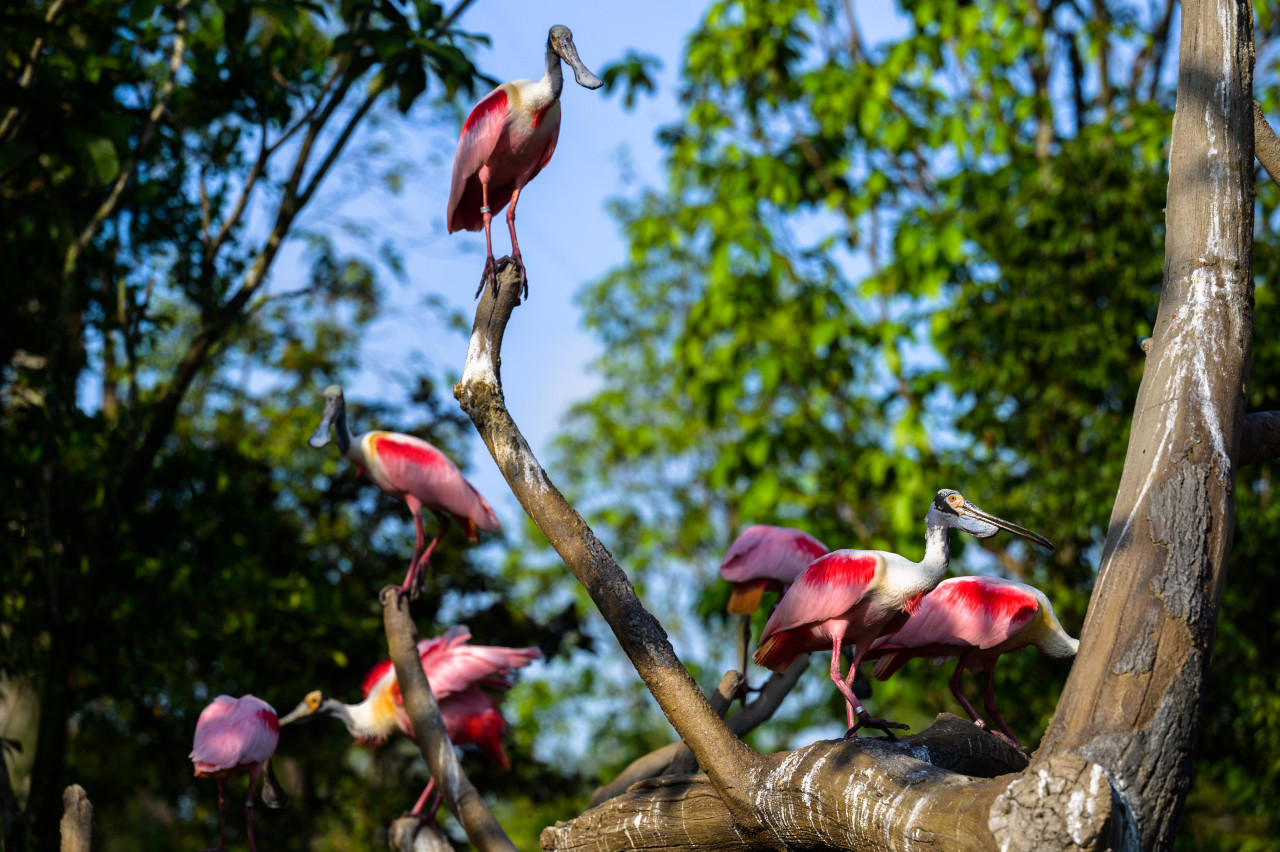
[
  {"x": 234, "y": 734},
  {"x": 508, "y": 138},
  {"x": 976, "y": 619},
  {"x": 457, "y": 672},
  {"x": 854, "y": 596},
  {"x": 764, "y": 558},
  {"x": 413, "y": 470}
]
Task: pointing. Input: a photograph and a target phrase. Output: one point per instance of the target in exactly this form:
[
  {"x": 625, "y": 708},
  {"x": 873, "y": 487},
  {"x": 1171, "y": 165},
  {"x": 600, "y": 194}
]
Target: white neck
[
  {"x": 937, "y": 545},
  {"x": 363, "y": 721},
  {"x": 553, "y": 78}
]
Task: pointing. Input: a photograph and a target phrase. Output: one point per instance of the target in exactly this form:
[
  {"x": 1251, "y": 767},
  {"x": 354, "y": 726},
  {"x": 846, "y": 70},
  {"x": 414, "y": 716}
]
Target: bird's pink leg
[
  {"x": 248, "y": 804},
  {"x": 422, "y": 800},
  {"x": 837, "y": 677},
  {"x": 222, "y": 818},
  {"x": 958, "y": 691},
  {"x": 989, "y": 699},
  {"x": 410, "y": 585},
  {"x": 490, "y": 265},
  {"x": 515, "y": 246},
  {"x": 865, "y": 719},
  {"x": 413, "y": 582}
]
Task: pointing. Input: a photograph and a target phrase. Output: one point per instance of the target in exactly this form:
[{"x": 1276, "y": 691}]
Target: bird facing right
[
  {"x": 977, "y": 619},
  {"x": 853, "y": 596}
]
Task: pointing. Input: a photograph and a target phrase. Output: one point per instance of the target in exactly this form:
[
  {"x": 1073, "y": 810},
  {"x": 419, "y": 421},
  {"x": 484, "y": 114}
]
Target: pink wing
[
  {"x": 231, "y": 732},
  {"x": 828, "y": 588},
  {"x": 477, "y": 664},
  {"x": 476, "y": 143},
  {"x": 473, "y": 718},
  {"x": 418, "y": 468},
  {"x": 967, "y": 612},
  {"x": 775, "y": 553}
]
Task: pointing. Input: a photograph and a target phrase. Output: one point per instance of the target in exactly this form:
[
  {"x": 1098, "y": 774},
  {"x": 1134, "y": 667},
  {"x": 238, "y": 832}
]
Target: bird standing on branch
[
  {"x": 976, "y": 619},
  {"x": 508, "y": 138},
  {"x": 413, "y": 470},
  {"x": 457, "y": 673},
  {"x": 234, "y": 734},
  {"x": 854, "y": 596}
]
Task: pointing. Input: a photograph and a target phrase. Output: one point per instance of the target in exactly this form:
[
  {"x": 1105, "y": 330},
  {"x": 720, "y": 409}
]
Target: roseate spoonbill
[
  {"x": 976, "y": 619},
  {"x": 413, "y": 470},
  {"x": 853, "y": 596},
  {"x": 456, "y": 672},
  {"x": 508, "y": 138},
  {"x": 764, "y": 558},
  {"x": 234, "y": 734}
]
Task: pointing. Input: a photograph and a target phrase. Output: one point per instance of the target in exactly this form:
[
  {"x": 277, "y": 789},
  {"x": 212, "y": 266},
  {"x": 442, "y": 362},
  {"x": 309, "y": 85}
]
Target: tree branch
[
  {"x": 1260, "y": 440},
  {"x": 727, "y": 760},
  {"x": 108, "y": 207},
  {"x": 429, "y": 731},
  {"x": 28, "y": 71},
  {"x": 77, "y": 820},
  {"x": 1266, "y": 147}
]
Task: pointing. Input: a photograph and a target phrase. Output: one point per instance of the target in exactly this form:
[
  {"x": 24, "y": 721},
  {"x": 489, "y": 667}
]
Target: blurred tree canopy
[
  {"x": 167, "y": 534},
  {"x": 878, "y": 269}
]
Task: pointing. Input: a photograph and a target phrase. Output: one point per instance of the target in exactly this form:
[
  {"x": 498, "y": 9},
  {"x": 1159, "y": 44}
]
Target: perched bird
[
  {"x": 976, "y": 619},
  {"x": 854, "y": 596},
  {"x": 411, "y": 469},
  {"x": 234, "y": 734},
  {"x": 456, "y": 672},
  {"x": 765, "y": 558},
  {"x": 508, "y": 138}
]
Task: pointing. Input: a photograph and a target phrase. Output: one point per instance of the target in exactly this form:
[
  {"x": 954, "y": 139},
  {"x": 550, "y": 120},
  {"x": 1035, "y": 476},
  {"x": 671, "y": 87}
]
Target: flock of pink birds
[{"x": 885, "y": 607}]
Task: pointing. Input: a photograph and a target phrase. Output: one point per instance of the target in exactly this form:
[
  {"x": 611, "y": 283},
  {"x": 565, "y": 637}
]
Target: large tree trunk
[{"x": 1134, "y": 698}]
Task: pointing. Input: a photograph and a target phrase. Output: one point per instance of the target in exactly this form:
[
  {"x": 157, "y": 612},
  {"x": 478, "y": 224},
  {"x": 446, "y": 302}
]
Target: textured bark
[
  {"x": 1132, "y": 703},
  {"x": 77, "y": 820},
  {"x": 433, "y": 740}
]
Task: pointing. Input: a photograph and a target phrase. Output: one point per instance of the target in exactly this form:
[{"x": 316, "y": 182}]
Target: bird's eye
[{"x": 956, "y": 501}]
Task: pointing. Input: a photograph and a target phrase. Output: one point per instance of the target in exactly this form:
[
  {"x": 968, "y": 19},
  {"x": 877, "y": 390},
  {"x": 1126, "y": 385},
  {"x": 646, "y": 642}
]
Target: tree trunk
[{"x": 1133, "y": 701}]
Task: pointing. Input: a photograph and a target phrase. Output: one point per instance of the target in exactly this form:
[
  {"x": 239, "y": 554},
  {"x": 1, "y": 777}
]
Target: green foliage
[
  {"x": 877, "y": 270},
  {"x": 168, "y": 534}
]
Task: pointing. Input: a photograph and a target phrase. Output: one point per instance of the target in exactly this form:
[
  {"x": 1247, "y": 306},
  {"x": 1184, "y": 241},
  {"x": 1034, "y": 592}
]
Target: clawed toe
[{"x": 865, "y": 721}]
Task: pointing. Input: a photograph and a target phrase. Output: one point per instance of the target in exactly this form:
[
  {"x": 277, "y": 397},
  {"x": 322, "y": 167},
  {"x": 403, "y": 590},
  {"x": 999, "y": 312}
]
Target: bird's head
[
  {"x": 952, "y": 509},
  {"x": 315, "y": 704},
  {"x": 334, "y": 405},
  {"x": 560, "y": 39}
]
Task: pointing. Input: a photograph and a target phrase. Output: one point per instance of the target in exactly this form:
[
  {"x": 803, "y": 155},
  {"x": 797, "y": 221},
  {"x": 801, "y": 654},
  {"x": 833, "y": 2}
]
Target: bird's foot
[
  {"x": 490, "y": 272},
  {"x": 524, "y": 275},
  {"x": 392, "y": 589},
  {"x": 867, "y": 721}
]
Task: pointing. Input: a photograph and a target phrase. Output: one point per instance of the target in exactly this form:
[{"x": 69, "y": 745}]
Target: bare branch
[
  {"x": 724, "y": 756},
  {"x": 728, "y": 689},
  {"x": 428, "y": 728},
  {"x": 336, "y": 150},
  {"x": 77, "y": 820},
  {"x": 1266, "y": 147},
  {"x": 29, "y": 70},
  {"x": 157, "y": 110}
]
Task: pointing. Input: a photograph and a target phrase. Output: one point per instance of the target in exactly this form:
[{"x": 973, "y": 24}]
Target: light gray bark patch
[
  {"x": 1064, "y": 804},
  {"x": 1150, "y": 767},
  {"x": 1141, "y": 656},
  {"x": 1179, "y": 516}
]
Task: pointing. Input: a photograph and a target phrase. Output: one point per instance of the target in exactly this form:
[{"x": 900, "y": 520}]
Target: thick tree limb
[
  {"x": 1133, "y": 701},
  {"x": 726, "y": 759},
  {"x": 867, "y": 794},
  {"x": 1260, "y": 440},
  {"x": 1266, "y": 147},
  {"x": 460, "y": 795},
  {"x": 77, "y": 820}
]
